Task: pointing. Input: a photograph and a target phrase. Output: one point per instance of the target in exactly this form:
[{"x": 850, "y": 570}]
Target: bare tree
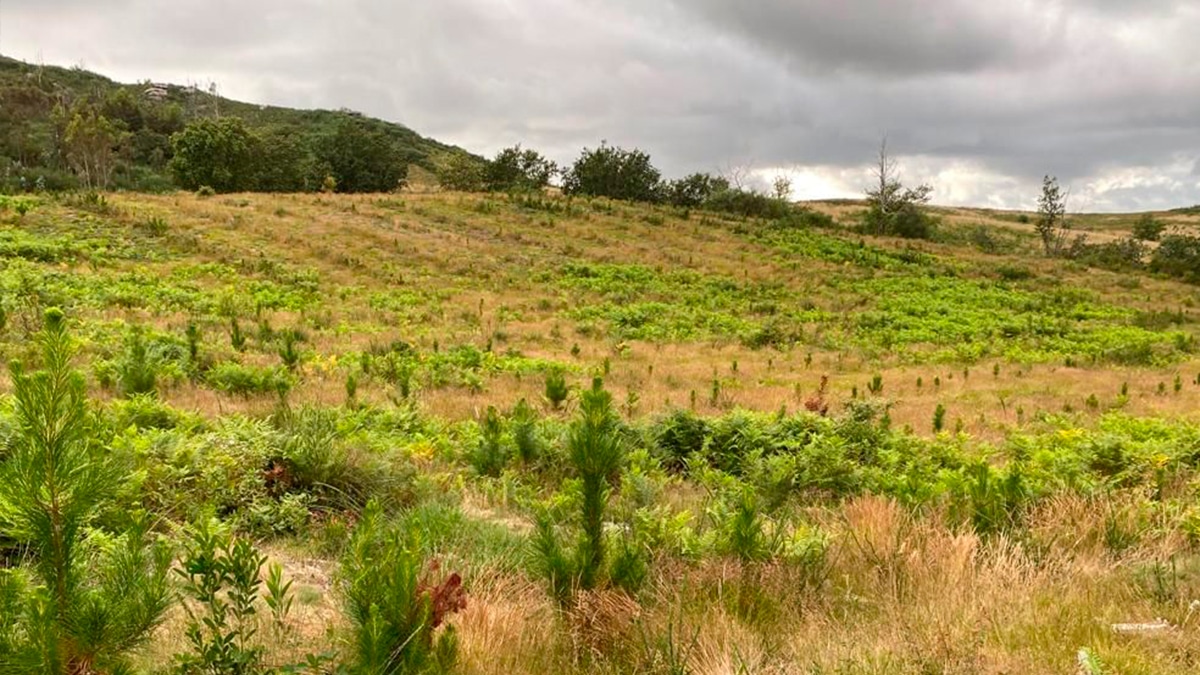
[{"x": 894, "y": 209}]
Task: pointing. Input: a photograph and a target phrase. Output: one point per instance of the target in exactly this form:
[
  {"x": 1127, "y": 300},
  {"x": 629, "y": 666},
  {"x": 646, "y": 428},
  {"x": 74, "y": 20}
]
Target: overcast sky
[{"x": 978, "y": 98}]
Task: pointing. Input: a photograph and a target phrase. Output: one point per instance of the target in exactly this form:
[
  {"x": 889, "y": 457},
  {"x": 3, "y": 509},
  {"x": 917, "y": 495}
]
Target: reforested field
[{"x": 488, "y": 433}]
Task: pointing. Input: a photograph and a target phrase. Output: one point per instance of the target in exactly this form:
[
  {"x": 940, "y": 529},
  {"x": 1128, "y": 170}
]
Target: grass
[{"x": 1054, "y": 499}]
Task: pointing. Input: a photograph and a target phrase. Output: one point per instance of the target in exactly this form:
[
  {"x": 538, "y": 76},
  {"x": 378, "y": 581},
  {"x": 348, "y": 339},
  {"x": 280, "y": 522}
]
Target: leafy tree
[
  {"x": 614, "y": 172},
  {"x": 362, "y": 159},
  {"x": 459, "y": 171},
  {"x": 87, "y": 606},
  {"x": 92, "y": 142},
  {"x": 517, "y": 169},
  {"x": 220, "y": 153},
  {"x": 284, "y": 163},
  {"x": 1052, "y": 223},
  {"x": 892, "y": 208},
  {"x": 693, "y": 190}
]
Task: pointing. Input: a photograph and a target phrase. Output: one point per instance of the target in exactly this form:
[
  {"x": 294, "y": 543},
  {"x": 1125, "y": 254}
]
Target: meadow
[{"x": 451, "y": 432}]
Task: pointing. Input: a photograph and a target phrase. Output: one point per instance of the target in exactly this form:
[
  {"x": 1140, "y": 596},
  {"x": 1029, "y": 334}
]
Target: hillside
[
  {"x": 31, "y": 133},
  {"x": 833, "y": 452}
]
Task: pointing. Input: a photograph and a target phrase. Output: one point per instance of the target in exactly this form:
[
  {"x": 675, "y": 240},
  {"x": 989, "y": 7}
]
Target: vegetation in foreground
[{"x": 510, "y": 433}]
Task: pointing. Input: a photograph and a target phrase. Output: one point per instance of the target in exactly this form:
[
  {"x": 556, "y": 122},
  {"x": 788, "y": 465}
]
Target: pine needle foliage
[
  {"x": 79, "y": 608},
  {"x": 394, "y": 615}
]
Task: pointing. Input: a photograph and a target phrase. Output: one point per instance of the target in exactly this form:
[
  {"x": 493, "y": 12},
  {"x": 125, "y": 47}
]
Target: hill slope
[
  {"x": 783, "y": 500},
  {"x": 31, "y": 132}
]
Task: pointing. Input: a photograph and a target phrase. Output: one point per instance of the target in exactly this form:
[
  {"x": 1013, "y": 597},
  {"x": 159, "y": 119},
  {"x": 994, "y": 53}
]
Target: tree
[
  {"x": 517, "y": 169},
  {"x": 219, "y": 153},
  {"x": 459, "y": 171},
  {"x": 284, "y": 163},
  {"x": 693, "y": 190},
  {"x": 1052, "y": 224},
  {"x": 614, "y": 172},
  {"x": 781, "y": 188},
  {"x": 361, "y": 159},
  {"x": 86, "y": 608},
  {"x": 892, "y": 208},
  {"x": 92, "y": 142}
]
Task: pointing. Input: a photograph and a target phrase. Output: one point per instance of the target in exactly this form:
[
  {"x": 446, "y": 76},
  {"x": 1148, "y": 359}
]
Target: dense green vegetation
[{"x": 66, "y": 128}]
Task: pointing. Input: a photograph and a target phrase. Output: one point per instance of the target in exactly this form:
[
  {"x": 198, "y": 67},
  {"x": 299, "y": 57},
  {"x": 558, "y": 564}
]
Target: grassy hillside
[
  {"x": 789, "y": 497},
  {"x": 32, "y": 133}
]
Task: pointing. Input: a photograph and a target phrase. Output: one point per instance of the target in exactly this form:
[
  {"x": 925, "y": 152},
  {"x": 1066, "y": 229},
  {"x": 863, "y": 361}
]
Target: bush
[
  {"x": 1178, "y": 255},
  {"x": 747, "y": 204},
  {"x": 678, "y": 436},
  {"x": 694, "y": 190},
  {"x": 614, "y": 172},
  {"x": 514, "y": 169},
  {"x": 221, "y": 575},
  {"x": 1122, "y": 254},
  {"x": 1148, "y": 228}
]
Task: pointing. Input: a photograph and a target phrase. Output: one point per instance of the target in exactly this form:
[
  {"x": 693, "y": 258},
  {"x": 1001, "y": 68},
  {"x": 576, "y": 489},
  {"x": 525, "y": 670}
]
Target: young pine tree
[{"x": 79, "y": 610}]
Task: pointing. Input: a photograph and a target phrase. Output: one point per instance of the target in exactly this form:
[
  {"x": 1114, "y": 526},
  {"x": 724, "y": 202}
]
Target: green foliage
[
  {"x": 490, "y": 453},
  {"x": 524, "y": 423},
  {"x": 221, "y": 576},
  {"x": 1148, "y": 228},
  {"x": 1051, "y": 224},
  {"x": 614, "y": 172},
  {"x": 90, "y": 605},
  {"x": 459, "y": 171},
  {"x": 137, "y": 372},
  {"x": 747, "y": 204},
  {"x": 939, "y": 418},
  {"x": 289, "y": 349},
  {"x": 361, "y": 158},
  {"x": 556, "y": 389},
  {"x": 218, "y": 153},
  {"x": 244, "y": 380},
  {"x": 596, "y": 451},
  {"x": 396, "y": 617},
  {"x": 694, "y": 190},
  {"x": 517, "y": 169},
  {"x": 1178, "y": 255}
]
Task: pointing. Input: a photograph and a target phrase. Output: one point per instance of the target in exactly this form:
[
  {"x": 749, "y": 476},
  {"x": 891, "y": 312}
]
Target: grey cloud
[{"x": 1080, "y": 88}]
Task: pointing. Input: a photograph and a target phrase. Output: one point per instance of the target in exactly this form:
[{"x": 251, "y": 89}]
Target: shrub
[
  {"x": 694, "y": 190},
  {"x": 678, "y": 436},
  {"x": 747, "y": 204},
  {"x": 1148, "y": 228},
  {"x": 516, "y": 169},
  {"x": 1178, "y": 255},
  {"x": 614, "y": 172},
  {"x": 396, "y": 616},
  {"x": 221, "y": 575}
]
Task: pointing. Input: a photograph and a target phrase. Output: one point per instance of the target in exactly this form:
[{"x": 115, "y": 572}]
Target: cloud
[{"x": 980, "y": 99}]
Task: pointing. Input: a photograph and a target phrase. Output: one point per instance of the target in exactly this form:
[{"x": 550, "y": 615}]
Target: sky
[{"x": 978, "y": 99}]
